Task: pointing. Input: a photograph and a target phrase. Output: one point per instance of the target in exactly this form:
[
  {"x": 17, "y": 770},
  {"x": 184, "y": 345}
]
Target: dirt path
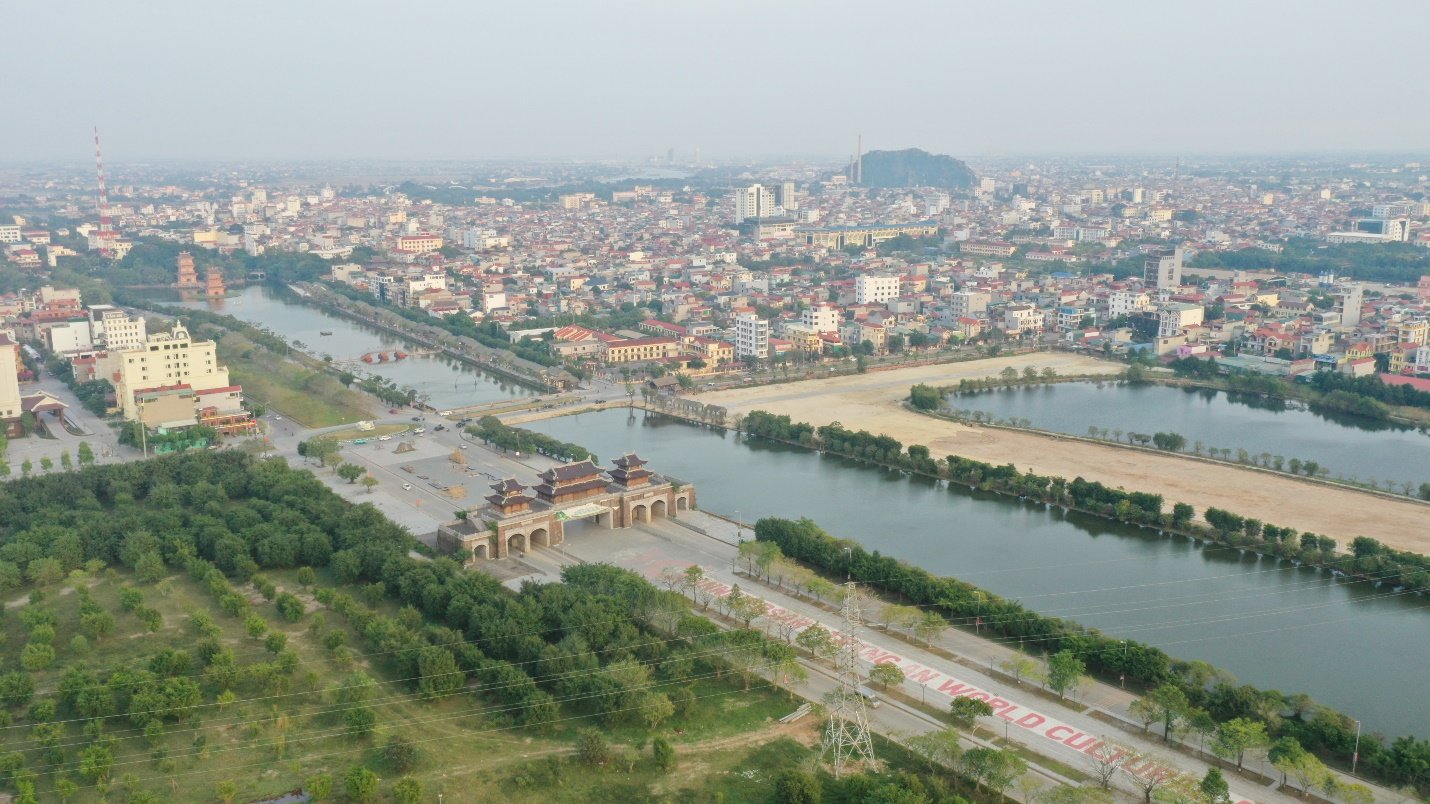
[{"x": 873, "y": 402}]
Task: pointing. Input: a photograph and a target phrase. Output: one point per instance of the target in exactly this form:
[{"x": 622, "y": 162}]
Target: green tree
[
  {"x": 318, "y": 787},
  {"x": 400, "y": 754},
  {"x": 965, "y": 711},
  {"x": 290, "y": 607},
  {"x": 65, "y": 462},
  {"x": 440, "y": 675},
  {"x": 1237, "y": 736},
  {"x": 360, "y": 784},
  {"x": 95, "y": 762},
  {"x": 85, "y": 453},
  {"x": 886, "y": 675},
  {"x": 992, "y": 768},
  {"x": 795, "y": 786},
  {"x": 407, "y": 791},
  {"x": 349, "y": 471},
  {"x": 654, "y": 708},
  {"x": 592, "y": 749},
  {"x": 1169, "y": 704},
  {"x": 360, "y": 720},
  {"x": 1214, "y": 788},
  {"x": 662, "y": 754},
  {"x": 1064, "y": 671},
  {"x": 1284, "y": 755},
  {"x": 150, "y": 567}
]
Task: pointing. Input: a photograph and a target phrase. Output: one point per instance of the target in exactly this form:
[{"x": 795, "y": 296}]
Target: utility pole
[{"x": 846, "y": 735}]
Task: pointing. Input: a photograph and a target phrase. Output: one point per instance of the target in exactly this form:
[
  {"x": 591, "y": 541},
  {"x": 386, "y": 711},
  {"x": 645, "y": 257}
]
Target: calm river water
[
  {"x": 447, "y": 383},
  {"x": 1356, "y": 647},
  {"x": 1348, "y": 448}
]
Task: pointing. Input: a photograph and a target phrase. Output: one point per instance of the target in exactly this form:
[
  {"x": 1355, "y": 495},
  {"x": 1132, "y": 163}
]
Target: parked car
[
  {"x": 406, "y": 486},
  {"x": 384, "y": 438}
]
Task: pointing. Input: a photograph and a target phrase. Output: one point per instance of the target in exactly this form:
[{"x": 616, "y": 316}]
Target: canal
[
  {"x": 1349, "y": 645},
  {"x": 444, "y": 382},
  {"x": 1351, "y": 448}
]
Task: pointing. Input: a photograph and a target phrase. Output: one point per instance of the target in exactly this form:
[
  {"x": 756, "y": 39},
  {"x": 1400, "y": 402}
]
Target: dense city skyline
[{"x": 557, "y": 80}]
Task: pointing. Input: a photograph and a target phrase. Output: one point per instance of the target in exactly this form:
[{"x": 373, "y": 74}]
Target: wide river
[
  {"x": 1358, "y": 648},
  {"x": 1353, "y": 646},
  {"x": 1348, "y": 447},
  {"x": 446, "y": 383}
]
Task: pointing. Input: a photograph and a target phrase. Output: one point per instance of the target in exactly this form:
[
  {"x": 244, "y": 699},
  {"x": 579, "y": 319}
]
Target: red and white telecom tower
[{"x": 103, "y": 240}]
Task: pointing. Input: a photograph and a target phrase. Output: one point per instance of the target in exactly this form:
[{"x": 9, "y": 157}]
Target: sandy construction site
[{"x": 873, "y": 402}]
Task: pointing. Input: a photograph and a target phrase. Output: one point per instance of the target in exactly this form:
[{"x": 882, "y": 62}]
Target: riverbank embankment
[{"x": 874, "y": 402}]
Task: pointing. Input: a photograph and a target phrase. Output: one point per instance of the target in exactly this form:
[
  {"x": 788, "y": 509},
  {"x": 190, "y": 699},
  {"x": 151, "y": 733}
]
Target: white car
[
  {"x": 420, "y": 430},
  {"x": 406, "y": 486},
  {"x": 384, "y": 438},
  {"x": 277, "y": 418}
]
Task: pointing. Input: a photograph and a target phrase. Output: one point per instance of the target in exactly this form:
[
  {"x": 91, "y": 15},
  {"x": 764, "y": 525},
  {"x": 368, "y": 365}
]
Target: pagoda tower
[
  {"x": 630, "y": 471},
  {"x": 188, "y": 277},
  {"x": 510, "y": 497},
  {"x": 213, "y": 283}
]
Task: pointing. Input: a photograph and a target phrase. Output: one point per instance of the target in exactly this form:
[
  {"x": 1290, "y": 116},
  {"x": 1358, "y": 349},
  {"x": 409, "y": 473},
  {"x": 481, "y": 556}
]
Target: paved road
[{"x": 1044, "y": 726}]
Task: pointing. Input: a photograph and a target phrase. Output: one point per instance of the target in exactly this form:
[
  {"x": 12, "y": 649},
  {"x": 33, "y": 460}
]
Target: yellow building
[
  {"x": 10, "y": 411},
  {"x": 636, "y": 349},
  {"x": 419, "y": 243},
  {"x": 163, "y": 361}
]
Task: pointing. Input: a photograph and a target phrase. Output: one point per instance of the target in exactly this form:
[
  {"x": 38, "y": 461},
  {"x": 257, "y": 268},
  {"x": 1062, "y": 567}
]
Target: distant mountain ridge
[{"x": 913, "y": 167}]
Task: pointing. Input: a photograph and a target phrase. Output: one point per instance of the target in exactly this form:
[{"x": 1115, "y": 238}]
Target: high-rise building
[
  {"x": 752, "y": 337},
  {"x": 1163, "y": 268},
  {"x": 784, "y": 196},
  {"x": 1351, "y": 301},
  {"x": 755, "y": 201}
]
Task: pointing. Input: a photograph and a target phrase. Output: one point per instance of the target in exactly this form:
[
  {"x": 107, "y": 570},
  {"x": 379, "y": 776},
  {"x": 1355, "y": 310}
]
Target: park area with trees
[{"x": 213, "y": 626}]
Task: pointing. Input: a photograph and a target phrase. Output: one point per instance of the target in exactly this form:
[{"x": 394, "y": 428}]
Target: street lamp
[
  {"x": 1355, "y": 755},
  {"x": 848, "y": 563},
  {"x": 739, "y": 529}
]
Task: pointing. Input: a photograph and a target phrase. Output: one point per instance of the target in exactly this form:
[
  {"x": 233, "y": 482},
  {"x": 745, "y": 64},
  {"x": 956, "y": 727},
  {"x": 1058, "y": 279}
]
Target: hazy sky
[{"x": 478, "y": 79}]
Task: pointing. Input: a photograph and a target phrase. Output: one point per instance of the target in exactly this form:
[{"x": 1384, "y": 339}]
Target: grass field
[{"x": 310, "y": 397}]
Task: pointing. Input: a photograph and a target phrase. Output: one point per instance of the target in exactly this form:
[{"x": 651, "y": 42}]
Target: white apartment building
[
  {"x": 1126, "y": 302},
  {"x": 115, "y": 329},
  {"x": 1177, "y": 316},
  {"x": 875, "y": 289},
  {"x": 755, "y": 201},
  {"x": 1022, "y": 318},
  {"x": 821, "y": 318},
  {"x": 752, "y": 337},
  {"x": 71, "y": 336},
  {"x": 9, "y": 233},
  {"x": 968, "y": 303}
]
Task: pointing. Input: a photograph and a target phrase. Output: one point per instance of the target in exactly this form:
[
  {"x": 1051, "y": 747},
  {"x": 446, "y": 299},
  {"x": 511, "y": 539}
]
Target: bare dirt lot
[{"x": 873, "y": 402}]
